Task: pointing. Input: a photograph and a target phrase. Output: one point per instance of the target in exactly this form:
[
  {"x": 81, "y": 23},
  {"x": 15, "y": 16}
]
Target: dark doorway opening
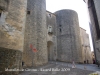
[{"x": 50, "y": 50}]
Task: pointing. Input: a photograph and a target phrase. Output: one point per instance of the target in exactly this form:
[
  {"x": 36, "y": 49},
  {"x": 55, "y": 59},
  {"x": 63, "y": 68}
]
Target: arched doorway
[{"x": 50, "y": 48}]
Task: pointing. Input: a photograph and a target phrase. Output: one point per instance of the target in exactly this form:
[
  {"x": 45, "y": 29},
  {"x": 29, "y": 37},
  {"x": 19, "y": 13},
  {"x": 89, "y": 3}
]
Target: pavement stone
[{"x": 60, "y": 69}]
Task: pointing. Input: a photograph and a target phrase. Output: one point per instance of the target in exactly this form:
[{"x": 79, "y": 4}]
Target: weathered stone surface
[
  {"x": 68, "y": 39},
  {"x": 35, "y": 34},
  {"x": 12, "y": 28},
  {"x": 4, "y": 4},
  {"x": 94, "y": 13},
  {"x": 97, "y": 8},
  {"x": 12, "y": 23},
  {"x": 10, "y": 59},
  {"x": 86, "y": 50},
  {"x": 51, "y": 35}
]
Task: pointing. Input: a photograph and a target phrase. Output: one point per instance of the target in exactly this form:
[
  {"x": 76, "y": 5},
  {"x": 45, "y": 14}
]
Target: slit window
[
  {"x": 28, "y": 12},
  {"x": 0, "y": 14},
  {"x": 60, "y": 30},
  {"x": 59, "y": 25}
]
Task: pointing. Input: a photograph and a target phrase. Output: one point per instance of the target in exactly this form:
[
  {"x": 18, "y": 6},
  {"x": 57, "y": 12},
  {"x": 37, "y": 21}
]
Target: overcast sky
[{"x": 78, "y": 5}]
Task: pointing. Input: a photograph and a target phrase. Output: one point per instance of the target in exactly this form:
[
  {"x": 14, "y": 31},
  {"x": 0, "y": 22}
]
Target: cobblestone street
[{"x": 58, "y": 68}]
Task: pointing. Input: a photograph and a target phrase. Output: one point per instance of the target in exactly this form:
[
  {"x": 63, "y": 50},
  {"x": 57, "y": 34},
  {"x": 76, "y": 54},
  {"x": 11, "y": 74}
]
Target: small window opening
[
  {"x": 50, "y": 15},
  {"x": 60, "y": 29},
  {"x": 59, "y": 25},
  {"x": 50, "y": 31},
  {"x": 0, "y": 14},
  {"x": 28, "y": 12}
]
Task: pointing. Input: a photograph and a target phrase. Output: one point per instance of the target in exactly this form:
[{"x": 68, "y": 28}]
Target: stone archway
[{"x": 50, "y": 48}]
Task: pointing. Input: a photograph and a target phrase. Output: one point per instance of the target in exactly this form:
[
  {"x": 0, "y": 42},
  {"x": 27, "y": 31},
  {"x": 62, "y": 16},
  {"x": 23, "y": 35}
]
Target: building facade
[
  {"x": 94, "y": 13},
  {"x": 86, "y": 50},
  {"x": 51, "y": 36},
  {"x": 12, "y": 24}
]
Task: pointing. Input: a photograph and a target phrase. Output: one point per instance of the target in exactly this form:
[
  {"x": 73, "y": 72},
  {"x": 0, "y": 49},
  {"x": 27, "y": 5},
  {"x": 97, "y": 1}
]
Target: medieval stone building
[
  {"x": 34, "y": 36},
  {"x": 12, "y": 24},
  {"x": 68, "y": 36},
  {"x": 94, "y": 13},
  {"x": 86, "y": 50}
]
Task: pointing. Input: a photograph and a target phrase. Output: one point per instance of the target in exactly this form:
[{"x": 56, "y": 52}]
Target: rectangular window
[{"x": 50, "y": 30}]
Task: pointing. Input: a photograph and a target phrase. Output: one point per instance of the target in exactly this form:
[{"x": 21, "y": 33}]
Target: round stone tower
[
  {"x": 68, "y": 36},
  {"x": 12, "y": 23},
  {"x": 35, "y": 34}
]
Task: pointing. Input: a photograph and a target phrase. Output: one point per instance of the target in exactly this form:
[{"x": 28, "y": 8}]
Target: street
[{"x": 61, "y": 68}]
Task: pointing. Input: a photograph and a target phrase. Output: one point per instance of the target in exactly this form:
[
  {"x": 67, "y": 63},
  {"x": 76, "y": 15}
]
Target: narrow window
[
  {"x": 0, "y": 14},
  {"x": 50, "y": 15},
  {"x": 28, "y": 12},
  {"x": 60, "y": 29},
  {"x": 59, "y": 25}
]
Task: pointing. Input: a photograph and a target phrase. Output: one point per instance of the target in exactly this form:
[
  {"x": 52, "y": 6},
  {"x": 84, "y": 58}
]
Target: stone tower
[
  {"x": 12, "y": 22},
  {"x": 35, "y": 34},
  {"x": 68, "y": 39}
]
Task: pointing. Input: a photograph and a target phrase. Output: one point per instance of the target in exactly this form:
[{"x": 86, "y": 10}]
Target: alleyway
[{"x": 60, "y": 68}]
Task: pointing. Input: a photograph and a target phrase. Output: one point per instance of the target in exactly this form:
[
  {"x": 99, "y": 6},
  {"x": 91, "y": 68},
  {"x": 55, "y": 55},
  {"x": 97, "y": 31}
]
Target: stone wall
[
  {"x": 97, "y": 5},
  {"x": 94, "y": 13},
  {"x": 35, "y": 34},
  {"x": 86, "y": 50},
  {"x": 83, "y": 43},
  {"x": 51, "y": 35},
  {"x": 12, "y": 23},
  {"x": 68, "y": 39},
  {"x": 89, "y": 58},
  {"x": 4, "y": 4}
]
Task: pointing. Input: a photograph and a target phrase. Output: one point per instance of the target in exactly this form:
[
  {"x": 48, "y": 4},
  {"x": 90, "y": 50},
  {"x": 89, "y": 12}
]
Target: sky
[{"x": 78, "y": 5}]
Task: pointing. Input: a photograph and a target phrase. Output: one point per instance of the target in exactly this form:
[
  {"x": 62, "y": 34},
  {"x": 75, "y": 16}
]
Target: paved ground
[
  {"x": 59, "y": 68},
  {"x": 90, "y": 67}
]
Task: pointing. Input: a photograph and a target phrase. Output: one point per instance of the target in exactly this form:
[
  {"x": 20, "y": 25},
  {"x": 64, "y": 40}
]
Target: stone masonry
[
  {"x": 94, "y": 13},
  {"x": 51, "y": 36},
  {"x": 12, "y": 23},
  {"x": 35, "y": 34},
  {"x": 86, "y": 50},
  {"x": 68, "y": 39},
  {"x": 25, "y": 26}
]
